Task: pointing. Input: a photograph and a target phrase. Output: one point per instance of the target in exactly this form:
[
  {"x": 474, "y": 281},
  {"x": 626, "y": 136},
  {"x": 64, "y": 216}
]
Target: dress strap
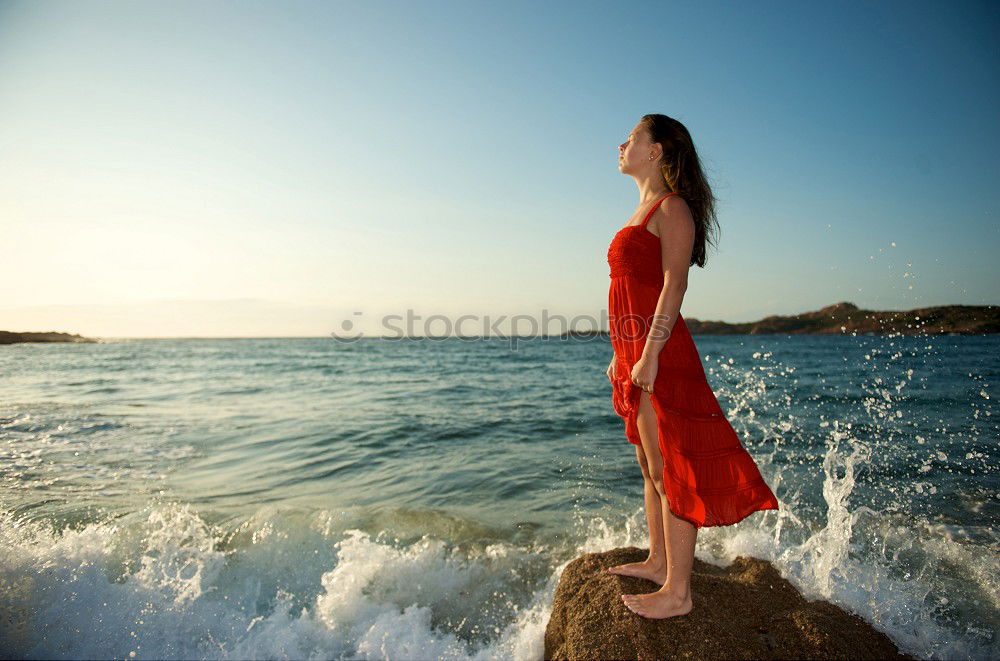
[{"x": 655, "y": 207}]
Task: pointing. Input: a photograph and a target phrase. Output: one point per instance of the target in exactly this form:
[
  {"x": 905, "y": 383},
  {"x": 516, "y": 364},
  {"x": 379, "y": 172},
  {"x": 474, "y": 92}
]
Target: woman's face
[{"x": 633, "y": 154}]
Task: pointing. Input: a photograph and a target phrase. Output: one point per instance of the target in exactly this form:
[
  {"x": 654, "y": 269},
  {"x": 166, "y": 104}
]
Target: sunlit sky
[{"x": 271, "y": 169}]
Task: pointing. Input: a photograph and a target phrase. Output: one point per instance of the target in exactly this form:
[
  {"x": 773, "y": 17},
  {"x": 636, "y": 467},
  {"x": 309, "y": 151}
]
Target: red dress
[{"x": 709, "y": 477}]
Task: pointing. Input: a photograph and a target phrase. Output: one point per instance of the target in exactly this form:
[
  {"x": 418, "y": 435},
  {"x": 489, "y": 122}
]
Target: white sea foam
[
  {"x": 167, "y": 586},
  {"x": 165, "y": 590}
]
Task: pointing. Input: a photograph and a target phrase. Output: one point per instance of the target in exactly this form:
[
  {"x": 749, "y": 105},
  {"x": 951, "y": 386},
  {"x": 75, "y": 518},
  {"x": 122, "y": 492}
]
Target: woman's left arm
[{"x": 675, "y": 226}]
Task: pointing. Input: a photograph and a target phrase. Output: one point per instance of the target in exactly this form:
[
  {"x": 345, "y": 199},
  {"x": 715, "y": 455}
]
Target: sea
[{"x": 418, "y": 498}]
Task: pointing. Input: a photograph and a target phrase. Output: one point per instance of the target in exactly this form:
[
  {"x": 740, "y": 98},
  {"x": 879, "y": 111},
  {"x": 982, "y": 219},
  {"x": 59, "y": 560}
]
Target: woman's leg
[
  {"x": 654, "y": 567},
  {"x": 674, "y": 596}
]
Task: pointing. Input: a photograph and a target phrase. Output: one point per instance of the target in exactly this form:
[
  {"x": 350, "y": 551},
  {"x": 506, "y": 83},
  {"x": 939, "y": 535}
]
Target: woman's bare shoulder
[{"x": 671, "y": 216}]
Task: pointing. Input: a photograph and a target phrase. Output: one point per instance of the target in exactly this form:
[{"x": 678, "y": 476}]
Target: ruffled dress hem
[{"x": 699, "y": 449}]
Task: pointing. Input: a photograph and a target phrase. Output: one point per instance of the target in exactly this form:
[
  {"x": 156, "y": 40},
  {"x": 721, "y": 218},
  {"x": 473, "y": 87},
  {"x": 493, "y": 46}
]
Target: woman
[{"x": 696, "y": 471}]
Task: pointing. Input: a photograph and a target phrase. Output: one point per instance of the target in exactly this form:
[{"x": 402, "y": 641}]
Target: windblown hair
[{"x": 682, "y": 171}]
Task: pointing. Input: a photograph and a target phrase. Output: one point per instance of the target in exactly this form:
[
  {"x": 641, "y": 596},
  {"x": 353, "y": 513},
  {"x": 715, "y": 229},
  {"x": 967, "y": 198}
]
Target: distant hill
[
  {"x": 846, "y": 318},
  {"x": 9, "y": 337}
]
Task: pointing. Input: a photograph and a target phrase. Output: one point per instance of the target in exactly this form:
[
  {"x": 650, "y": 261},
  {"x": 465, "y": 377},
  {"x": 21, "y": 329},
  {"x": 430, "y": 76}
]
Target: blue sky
[{"x": 250, "y": 168}]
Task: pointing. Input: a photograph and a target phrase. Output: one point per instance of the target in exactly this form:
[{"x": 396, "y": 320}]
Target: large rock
[{"x": 743, "y": 611}]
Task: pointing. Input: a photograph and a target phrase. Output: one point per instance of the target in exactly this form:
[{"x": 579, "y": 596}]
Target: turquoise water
[{"x": 309, "y": 498}]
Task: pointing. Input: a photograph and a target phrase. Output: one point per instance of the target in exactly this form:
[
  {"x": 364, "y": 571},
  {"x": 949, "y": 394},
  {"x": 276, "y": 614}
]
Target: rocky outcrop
[
  {"x": 743, "y": 611},
  {"x": 9, "y": 337},
  {"x": 845, "y": 318}
]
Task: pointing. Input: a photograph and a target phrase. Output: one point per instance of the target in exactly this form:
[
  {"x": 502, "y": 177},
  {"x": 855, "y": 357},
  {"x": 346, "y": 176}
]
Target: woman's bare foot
[
  {"x": 658, "y": 605},
  {"x": 650, "y": 571}
]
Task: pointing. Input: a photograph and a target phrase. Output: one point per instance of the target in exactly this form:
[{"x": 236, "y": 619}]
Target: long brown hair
[{"x": 682, "y": 171}]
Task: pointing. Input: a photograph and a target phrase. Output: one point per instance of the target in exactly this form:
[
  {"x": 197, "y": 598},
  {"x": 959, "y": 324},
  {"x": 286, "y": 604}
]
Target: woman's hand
[
  {"x": 644, "y": 373},
  {"x": 611, "y": 369}
]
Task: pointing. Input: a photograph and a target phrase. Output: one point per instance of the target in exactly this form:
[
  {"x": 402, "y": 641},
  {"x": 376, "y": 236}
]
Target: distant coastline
[
  {"x": 845, "y": 318},
  {"x": 842, "y": 318},
  {"x": 10, "y": 337}
]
